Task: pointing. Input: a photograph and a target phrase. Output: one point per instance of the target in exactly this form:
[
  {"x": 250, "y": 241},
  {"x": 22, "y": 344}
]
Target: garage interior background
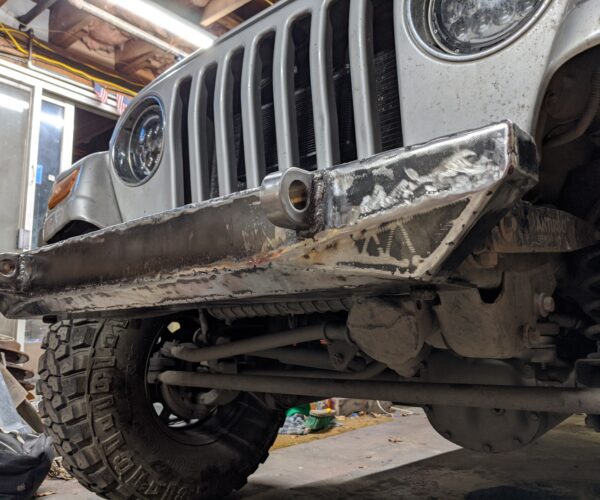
[{"x": 68, "y": 69}]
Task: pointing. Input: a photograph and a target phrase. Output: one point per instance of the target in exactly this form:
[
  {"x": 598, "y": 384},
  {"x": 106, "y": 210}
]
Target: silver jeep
[{"x": 393, "y": 200}]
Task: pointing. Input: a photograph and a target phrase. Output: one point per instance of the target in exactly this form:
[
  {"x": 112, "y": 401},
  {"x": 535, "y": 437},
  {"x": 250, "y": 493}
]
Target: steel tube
[
  {"x": 309, "y": 358},
  {"x": 373, "y": 370},
  {"x": 322, "y": 331},
  {"x": 547, "y": 399}
]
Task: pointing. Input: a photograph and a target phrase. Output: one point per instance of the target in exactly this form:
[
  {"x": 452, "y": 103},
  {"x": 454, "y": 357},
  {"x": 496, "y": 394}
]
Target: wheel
[{"x": 116, "y": 432}]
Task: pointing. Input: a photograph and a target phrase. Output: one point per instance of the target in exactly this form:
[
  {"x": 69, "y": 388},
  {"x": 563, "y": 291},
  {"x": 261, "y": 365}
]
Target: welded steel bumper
[{"x": 384, "y": 224}]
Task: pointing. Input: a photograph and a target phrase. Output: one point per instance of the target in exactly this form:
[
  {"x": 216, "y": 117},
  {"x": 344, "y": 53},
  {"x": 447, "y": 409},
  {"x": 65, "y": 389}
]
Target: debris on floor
[
  {"x": 46, "y": 493},
  {"x": 305, "y": 419},
  {"x": 348, "y": 406},
  {"x": 57, "y": 471},
  {"x": 294, "y": 425},
  {"x": 403, "y": 412},
  {"x": 320, "y": 420},
  {"x": 25, "y": 456}
]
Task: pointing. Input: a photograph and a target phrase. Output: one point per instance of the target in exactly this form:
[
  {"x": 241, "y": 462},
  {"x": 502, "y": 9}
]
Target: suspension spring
[{"x": 590, "y": 287}]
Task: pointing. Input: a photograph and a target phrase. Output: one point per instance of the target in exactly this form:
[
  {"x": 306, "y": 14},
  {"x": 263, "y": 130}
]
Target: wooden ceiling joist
[
  {"x": 76, "y": 34},
  {"x": 218, "y": 9},
  {"x": 67, "y": 25}
]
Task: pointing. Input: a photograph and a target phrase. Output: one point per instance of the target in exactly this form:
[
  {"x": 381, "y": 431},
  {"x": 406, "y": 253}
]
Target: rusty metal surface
[
  {"x": 397, "y": 218},
  {"x": 233, "y": 312},
  {"x": 535, "y": 229}
]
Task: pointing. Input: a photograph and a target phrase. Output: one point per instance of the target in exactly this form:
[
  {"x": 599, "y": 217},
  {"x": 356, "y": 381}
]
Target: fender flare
[{"x": 92, "y": 200}]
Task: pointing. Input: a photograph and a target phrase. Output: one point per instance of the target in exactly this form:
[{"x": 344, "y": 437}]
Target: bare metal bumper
[{"x": 384, "y": 224}]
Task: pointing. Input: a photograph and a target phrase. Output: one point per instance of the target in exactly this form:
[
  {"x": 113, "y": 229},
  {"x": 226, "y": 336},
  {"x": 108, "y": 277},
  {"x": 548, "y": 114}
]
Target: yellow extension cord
[{"x": 54, "y": 62}]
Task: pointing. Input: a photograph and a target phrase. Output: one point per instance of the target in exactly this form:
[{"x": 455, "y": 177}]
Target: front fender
[
  {"x": 578, "y": 32},
  {"x": 92, "y": 200},
  {"x": 439, "y": 97}
]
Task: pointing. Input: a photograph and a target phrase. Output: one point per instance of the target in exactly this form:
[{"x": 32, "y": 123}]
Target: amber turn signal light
[{"x": 62, "y": 188}]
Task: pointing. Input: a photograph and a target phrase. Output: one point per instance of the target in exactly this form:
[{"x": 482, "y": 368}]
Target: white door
[
  {"x": 16, "y": 102},
  {"x": 54, "y": 154}
]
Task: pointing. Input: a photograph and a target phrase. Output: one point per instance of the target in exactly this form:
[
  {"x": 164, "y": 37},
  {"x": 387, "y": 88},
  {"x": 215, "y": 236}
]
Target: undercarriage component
[
  {"x": 230, "y": 313},
  {"x": 491, "y": 430},
  {"x": 477, "y": 326},
  {"x": 485, "y": 429},
  {"x": 549, "y": 399},
  {"x": 586, "y": 119},
  {"x": 375, "y": 369},
  {"x": 534, "y": 229},
  {"x": 379, "y": 224},
  {"x": 324, "y": 331},
  {"x": 392, "y": 331},
  {"x": 584, "y": 288},
  {"x": 311, "y": 358}
]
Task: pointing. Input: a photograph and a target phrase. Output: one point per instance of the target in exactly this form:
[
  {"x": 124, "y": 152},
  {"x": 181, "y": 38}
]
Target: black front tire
[{"x": 95, "y": 407}]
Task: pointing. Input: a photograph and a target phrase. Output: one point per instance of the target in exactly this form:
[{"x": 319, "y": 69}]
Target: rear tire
[{"x": 97, "y": 411}]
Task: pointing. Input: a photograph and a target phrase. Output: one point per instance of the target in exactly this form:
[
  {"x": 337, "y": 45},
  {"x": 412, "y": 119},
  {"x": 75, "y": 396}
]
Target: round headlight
[
  {"x": 471, "y": 26},
  {"x": 139, "y": 143}
]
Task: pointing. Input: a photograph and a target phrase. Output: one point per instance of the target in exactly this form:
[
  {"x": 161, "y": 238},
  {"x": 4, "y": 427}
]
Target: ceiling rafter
[{"x": 87, "y": 38}]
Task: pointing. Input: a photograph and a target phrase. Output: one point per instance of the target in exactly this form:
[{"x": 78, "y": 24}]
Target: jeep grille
[{"x": 311, "y": 85}]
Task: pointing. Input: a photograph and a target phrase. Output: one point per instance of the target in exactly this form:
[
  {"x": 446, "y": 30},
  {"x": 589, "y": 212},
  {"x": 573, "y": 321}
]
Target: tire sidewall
[{"x": 144, "y": 460}]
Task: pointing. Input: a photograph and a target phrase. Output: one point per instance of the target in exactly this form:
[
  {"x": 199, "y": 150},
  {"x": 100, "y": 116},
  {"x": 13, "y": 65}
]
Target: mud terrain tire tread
[{"x": 79, "y": 372}]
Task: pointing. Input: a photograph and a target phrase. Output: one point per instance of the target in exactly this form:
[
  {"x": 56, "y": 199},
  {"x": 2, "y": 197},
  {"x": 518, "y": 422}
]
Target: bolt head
[
  {"x": 508, "y": 226},
  {"x": 548, "y": 303},
  {"x": 545, "y": 304}
]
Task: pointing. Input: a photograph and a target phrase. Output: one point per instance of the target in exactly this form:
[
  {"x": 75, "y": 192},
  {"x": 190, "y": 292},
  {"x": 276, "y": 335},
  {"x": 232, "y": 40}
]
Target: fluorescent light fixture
[
  {"x": 13, "y": 103},
  {"x": 164, "y": 18}
]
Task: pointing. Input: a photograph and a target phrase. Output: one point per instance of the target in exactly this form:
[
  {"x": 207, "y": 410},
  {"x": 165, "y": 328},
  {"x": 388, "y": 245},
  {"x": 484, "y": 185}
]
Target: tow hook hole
[
  {"x": 298, "y": 193},
  {"x": 7, "y": 268}
]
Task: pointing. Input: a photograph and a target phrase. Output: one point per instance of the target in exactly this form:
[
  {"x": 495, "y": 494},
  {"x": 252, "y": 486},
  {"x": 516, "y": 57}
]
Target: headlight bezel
[
  {"x": 418, "y": 18},
  {"x": 121, "y": 141}
]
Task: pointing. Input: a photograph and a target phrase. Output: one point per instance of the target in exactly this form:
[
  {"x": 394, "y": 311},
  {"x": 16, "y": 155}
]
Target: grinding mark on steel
[{"x": 406, "y": 238}]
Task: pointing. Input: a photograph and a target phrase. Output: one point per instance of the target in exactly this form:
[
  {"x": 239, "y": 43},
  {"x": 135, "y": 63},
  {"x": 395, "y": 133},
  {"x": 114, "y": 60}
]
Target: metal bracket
[
  {"x": 527, "y": 228},
  {"x": 286, "y": 198}
]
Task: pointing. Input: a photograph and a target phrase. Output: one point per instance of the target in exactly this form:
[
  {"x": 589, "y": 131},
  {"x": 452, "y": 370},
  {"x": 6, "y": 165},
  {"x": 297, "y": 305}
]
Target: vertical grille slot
[
  {"x": 225, "y": 139},
  {"x": 238, "y": 158},
  {"x": 385, "y": 13},
  {"x": 323, "y": 94},
  {"x": 290, "y": 73},
  {"x": 181, "y": 132},
  {"x": 202, "y": 152},
  {"x": 368, "y": 131},
  {"x": 305, "y": 137},
  {"x": 257, "y": 91},
  {"x": 342, "y": 82},
  {"x": 267, "y": 49}
]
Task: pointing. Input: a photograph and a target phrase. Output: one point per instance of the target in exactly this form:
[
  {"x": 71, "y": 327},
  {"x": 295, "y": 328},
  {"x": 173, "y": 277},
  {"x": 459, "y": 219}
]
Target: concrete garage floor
[{"x": 407, "y": 459}]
